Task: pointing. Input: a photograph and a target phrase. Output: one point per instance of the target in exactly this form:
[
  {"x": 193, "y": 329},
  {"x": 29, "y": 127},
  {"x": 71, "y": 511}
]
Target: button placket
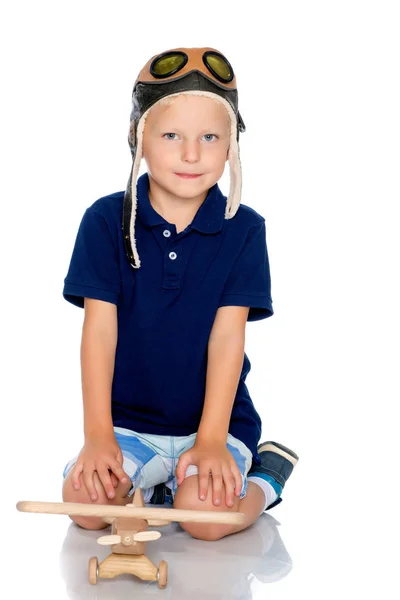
[{"x": 172, "y": 267}]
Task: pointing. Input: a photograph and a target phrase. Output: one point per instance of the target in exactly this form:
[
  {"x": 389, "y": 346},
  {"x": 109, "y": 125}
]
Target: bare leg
[
  {"x": 251, "y": 505},
  {"x": 187, "y": 498},
  {"x": 82, "y": 495}
]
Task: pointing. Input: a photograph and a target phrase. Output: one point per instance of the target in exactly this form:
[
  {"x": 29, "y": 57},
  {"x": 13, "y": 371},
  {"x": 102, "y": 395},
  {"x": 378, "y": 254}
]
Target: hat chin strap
[{"x": 235, "y": 172}]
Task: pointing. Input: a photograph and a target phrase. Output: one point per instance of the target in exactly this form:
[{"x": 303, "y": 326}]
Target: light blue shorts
[{"x": 151, "y": 459}]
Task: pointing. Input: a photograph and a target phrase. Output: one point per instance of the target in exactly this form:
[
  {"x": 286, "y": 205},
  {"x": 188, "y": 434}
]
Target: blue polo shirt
[{"x": 166, "y": 309}]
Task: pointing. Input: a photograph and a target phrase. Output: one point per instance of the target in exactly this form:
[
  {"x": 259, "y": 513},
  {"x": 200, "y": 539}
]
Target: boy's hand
[
  {"x": 212, "y": 458},
  {"x": 105, "y": 457}
]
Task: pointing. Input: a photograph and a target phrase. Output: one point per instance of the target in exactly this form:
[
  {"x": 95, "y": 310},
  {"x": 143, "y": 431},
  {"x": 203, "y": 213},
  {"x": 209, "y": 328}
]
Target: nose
[{"x": 191, "y": 151}]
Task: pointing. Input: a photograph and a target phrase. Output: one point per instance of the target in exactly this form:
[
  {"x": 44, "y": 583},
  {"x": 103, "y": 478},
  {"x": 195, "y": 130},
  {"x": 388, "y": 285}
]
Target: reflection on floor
[{"x": 196, "y": 568}]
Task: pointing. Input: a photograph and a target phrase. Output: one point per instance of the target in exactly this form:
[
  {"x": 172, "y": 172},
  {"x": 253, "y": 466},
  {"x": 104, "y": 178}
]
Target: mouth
[{"x": 188, "y": 175}]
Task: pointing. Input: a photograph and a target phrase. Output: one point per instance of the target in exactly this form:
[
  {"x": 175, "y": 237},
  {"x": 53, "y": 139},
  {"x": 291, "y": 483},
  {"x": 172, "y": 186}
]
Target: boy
[{"x": 163, "y": 362}]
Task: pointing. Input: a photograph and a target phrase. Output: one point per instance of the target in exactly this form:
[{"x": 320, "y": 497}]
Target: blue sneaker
[{"x": 277, "y": 464}]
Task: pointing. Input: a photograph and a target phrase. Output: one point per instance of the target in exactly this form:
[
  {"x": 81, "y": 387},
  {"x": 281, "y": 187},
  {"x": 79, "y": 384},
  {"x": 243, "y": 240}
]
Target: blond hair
[{"x": 168, "y": 100}]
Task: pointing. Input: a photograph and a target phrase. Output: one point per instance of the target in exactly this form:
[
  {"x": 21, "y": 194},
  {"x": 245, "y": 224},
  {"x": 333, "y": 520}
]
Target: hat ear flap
[
  {"x": 132, "y": 136},
  {"x": 137, "y": 158},
  {"x": 235, "y": 169},
  {"x": 235, "y": 175}
]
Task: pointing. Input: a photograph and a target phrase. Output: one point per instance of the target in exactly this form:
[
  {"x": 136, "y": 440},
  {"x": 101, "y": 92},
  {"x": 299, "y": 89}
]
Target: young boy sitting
[{"x": 166, "y": 407}]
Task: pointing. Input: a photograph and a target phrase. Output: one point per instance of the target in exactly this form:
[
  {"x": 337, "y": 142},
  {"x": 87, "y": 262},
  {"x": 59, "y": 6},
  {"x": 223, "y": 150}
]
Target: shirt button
[
  {"x": 166, "y": 233},
  {"x": 172, "y": 255}
]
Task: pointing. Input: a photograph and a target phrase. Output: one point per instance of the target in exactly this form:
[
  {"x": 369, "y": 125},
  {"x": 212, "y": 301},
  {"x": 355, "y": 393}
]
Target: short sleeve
[
  {"x": 249, "y": 283},
  {"x": 94, "y": 268}
]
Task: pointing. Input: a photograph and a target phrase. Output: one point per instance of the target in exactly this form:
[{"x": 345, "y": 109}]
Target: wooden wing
[{"x": 103, "y": 510}]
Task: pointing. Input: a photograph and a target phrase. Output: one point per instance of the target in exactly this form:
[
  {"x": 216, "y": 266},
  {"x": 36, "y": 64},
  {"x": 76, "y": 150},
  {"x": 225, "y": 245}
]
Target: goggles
[
  {"x": 175, "y": 64},
  {"x": 168, "y": 64}
]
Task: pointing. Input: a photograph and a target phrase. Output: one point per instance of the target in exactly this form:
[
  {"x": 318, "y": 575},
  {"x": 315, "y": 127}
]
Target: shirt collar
[{"x": 208, "y": 219}]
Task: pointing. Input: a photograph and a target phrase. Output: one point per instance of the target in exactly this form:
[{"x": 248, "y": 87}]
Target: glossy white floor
[{"x": 245, "y": 566}]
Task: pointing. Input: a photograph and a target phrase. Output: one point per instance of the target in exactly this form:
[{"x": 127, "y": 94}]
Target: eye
[
  {"x": 208, "y": 135},
  {"x": 169, "y": 138}
]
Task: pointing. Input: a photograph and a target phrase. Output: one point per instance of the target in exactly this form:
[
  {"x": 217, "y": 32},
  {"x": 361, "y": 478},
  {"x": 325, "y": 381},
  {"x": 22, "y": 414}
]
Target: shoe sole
[{"x": 279, "y": 449}]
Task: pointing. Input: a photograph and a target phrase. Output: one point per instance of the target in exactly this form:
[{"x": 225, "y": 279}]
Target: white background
[{"x": 319, "y": 94}]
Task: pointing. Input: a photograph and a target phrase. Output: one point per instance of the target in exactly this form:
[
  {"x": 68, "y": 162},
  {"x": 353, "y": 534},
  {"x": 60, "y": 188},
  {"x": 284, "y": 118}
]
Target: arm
[
  {"x": 99, "y": 340},
  {"x": 101, "y": 452},
  {"x": 225, "y": 361}
]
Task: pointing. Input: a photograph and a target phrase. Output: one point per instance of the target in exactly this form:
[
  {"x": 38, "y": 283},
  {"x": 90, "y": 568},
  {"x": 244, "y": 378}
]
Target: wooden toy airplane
[{"x": 129, "y": 533}]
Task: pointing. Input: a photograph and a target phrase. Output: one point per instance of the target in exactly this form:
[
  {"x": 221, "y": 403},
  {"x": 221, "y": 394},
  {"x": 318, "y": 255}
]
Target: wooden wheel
[
  {"x": 93, "y": 570},
  {"x": 162, "y": 574}
]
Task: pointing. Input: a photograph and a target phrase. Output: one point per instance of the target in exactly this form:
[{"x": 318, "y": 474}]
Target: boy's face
[{"x": 191, "y": 135}]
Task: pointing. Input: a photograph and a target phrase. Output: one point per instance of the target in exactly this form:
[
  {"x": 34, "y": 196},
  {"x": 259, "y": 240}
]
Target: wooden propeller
[
  {"x": 127, "y": 540},
  {"x": 104, "y": 510}
]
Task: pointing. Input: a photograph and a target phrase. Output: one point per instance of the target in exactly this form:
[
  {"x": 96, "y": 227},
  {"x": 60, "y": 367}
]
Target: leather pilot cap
[{"x": 189, "y": 71}]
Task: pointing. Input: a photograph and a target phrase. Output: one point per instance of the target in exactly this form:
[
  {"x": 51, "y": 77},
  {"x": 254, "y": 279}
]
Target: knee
[
  {"x": 187, "y": 498},
  {"x": 209, "y": 532},
  {"x": 69, "y": 494}
]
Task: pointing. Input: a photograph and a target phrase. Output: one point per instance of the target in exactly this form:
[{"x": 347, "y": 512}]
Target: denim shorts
[{"x": 152, "y": 459}]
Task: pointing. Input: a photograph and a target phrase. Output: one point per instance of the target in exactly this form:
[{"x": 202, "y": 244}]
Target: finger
[
  {"x": 204, "y": 480},
  {"x": 238, "y": 480},
  {"x": 217, "y": 482},
  {"x": 105, "y": 479},
  {"x": 181, "y": 467},
  {"x": 229, "y": 482},
  {"x": 114, "y": 479},
  {"x": 119, "y": 472},
  {"x": 75, "y": 476},
  {"x": 88, "y": 480},
  {"x": 177, "y": 472}
]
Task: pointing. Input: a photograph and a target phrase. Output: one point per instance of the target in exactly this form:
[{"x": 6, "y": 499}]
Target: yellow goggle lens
[
  {"x": 219, "y": 66},
  {"x": 167, "y": 64}
]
